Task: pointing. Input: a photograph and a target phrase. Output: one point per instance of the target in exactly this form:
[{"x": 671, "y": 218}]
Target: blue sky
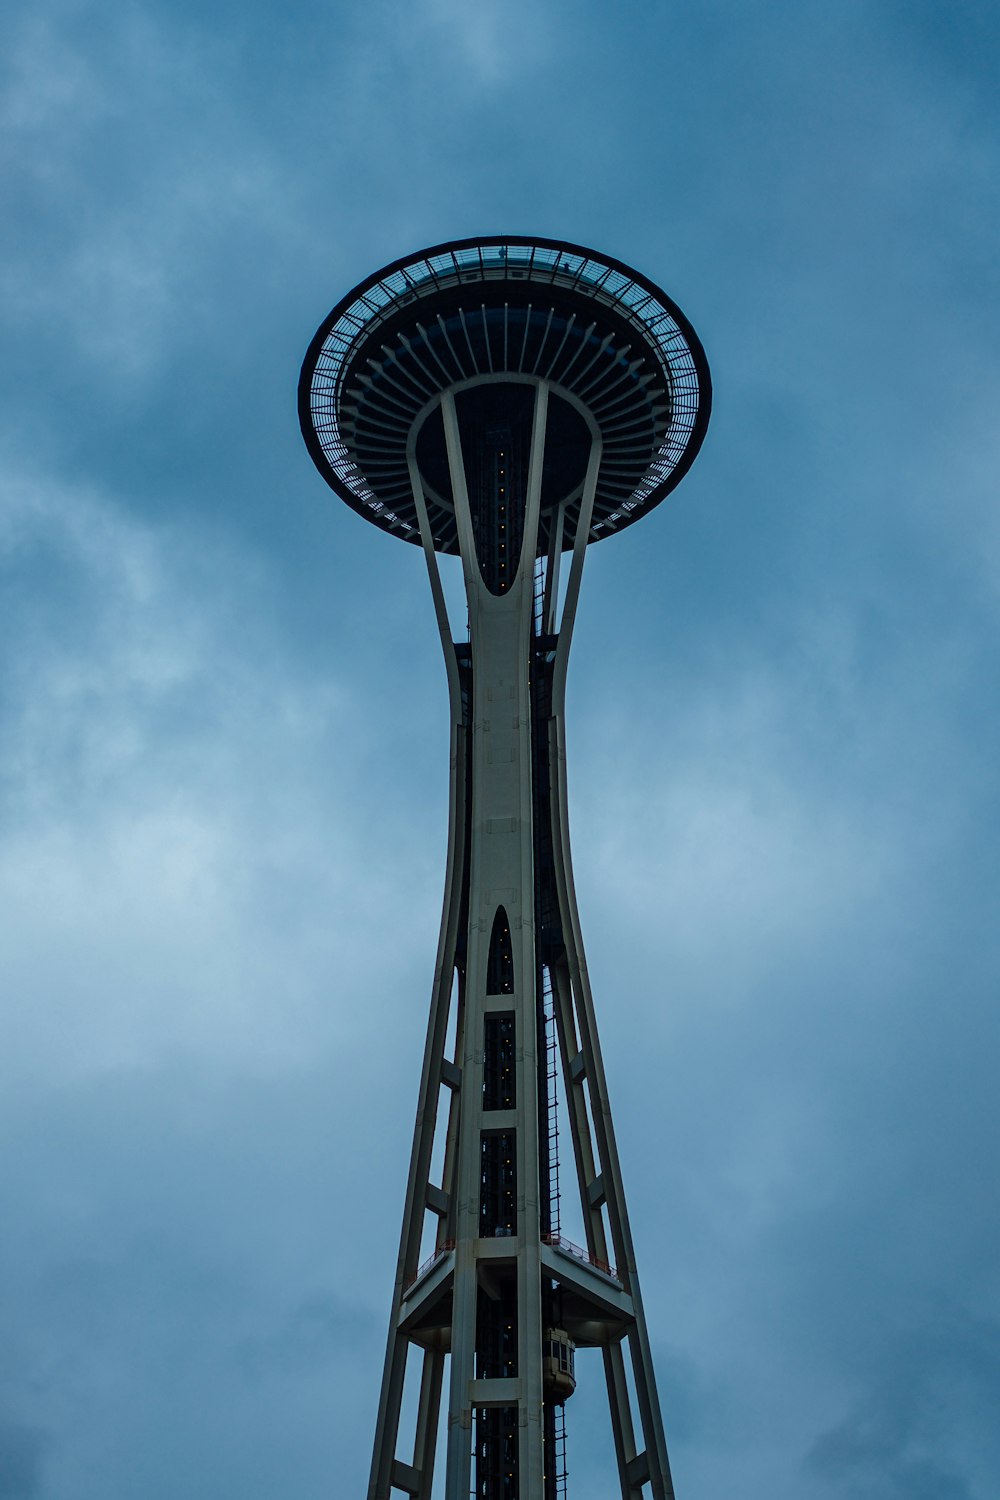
[{"x": 223, "y": 746}]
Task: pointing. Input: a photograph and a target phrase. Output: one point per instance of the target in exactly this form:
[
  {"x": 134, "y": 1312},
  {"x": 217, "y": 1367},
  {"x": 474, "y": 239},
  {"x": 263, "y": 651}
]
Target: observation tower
[{"x": 508, "y": 401}]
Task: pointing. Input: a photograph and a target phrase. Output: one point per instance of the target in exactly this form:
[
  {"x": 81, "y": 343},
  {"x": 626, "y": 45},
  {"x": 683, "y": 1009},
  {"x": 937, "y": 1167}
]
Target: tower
[{"x": 509, "y": 400}]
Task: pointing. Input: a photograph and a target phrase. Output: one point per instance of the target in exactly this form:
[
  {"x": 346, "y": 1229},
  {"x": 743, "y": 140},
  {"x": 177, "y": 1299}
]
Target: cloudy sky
[{"x": 223, "y": 745}]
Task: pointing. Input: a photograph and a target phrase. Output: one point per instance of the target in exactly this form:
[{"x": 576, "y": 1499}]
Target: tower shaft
[{"x": 501, "y": 1301}]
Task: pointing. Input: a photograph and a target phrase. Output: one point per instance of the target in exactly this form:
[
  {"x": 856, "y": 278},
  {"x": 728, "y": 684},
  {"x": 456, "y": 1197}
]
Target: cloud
[
  {"x": 906, "y": 1437},
  {"x": 319, "y": 1331},
  {"x": 48, "y": 82},
  {"x": 159, "y": 768},
  {"x": 223, "y": 743},
  {"x": 496, "y": 42},
  {"x": 22, "y": 1451},
  {"x": 133, "y": 170}
]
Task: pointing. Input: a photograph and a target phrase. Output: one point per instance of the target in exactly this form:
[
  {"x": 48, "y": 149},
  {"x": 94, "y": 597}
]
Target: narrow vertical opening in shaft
[
  {"x": 498, "y": 1184},
  {"x": 500, "y": 1062},
  {"x": 496, "y": 1453},
  {"x": 496, "y": 1325},
  {"x": 500, "y": 962}
]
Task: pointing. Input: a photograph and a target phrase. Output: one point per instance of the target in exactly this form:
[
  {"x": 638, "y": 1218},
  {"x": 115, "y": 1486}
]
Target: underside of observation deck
[{"x": 512, "y": 309}]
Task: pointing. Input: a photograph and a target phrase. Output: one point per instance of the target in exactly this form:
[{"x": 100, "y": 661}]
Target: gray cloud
[
  {"x": 22, "y": 1451},
  {"x": 223, "y": 743},
  {"x": 318, "y": 1331},
  {"x": 898, "y": 1440}
]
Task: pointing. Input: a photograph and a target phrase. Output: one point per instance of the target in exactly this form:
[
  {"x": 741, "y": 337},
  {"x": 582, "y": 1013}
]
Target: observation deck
[{"x": 488, "y": 319}]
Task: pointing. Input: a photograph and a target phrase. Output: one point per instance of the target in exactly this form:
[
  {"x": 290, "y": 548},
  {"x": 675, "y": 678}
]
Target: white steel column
[{"x": 500, "y": 874}]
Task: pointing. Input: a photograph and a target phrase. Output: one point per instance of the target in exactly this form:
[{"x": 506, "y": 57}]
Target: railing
[
  {"x": 560, "y": 1242},
  {"x": 429, "y": 1263}
]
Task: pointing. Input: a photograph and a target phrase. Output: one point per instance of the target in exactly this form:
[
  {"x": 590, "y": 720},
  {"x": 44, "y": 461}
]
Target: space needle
[{"x": 509, "y": 401}]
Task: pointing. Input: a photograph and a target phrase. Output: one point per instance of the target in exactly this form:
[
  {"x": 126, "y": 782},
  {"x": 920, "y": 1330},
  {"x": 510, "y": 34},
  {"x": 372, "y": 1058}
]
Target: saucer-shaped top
[{"x": 503, "y": 312}]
